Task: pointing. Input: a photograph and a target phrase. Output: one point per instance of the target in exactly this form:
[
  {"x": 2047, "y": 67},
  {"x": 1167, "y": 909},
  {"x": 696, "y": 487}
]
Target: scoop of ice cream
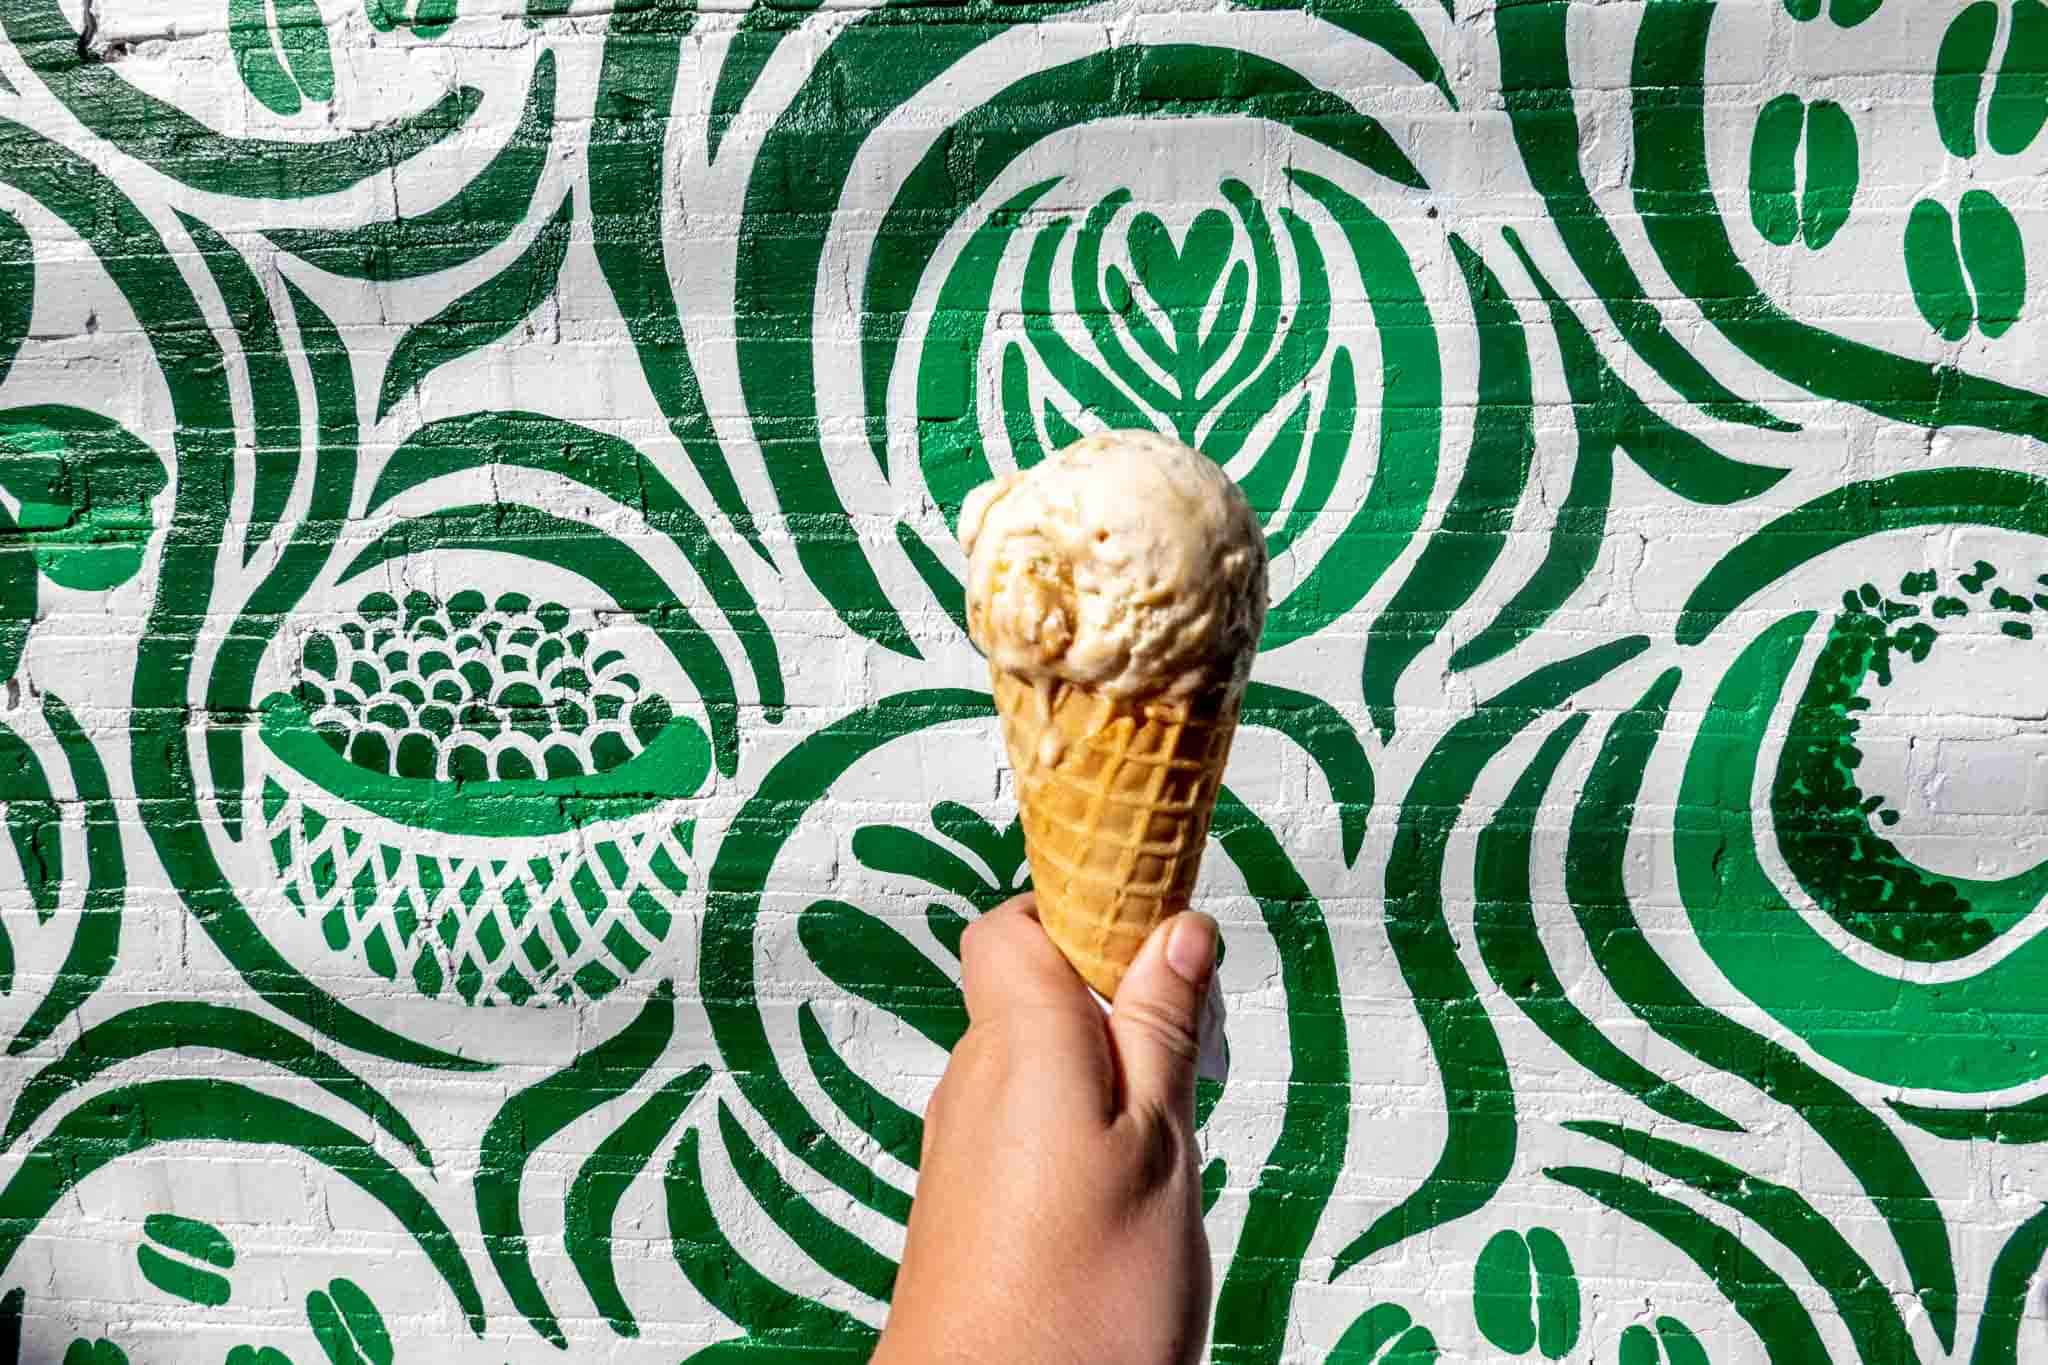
[{"x": 1126, "y": 563}]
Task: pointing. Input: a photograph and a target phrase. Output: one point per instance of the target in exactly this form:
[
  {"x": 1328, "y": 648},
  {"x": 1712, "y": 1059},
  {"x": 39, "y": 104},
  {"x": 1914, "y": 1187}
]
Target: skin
[{"x": 1058, "y": 1215}]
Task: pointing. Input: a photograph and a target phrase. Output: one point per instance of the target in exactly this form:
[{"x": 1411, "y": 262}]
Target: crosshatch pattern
[{"x": 1115, "y": 800}]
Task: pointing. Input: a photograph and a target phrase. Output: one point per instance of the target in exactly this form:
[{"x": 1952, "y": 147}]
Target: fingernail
[{"x": 1191, "y": 948}]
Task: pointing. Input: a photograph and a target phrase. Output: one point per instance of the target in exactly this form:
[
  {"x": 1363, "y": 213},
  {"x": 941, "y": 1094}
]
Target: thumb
[{"x": 1156, "y": 1018}]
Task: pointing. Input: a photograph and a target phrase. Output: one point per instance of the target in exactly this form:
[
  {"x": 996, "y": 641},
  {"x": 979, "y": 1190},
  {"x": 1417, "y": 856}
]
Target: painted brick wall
[{"x": 493, "y": 776}]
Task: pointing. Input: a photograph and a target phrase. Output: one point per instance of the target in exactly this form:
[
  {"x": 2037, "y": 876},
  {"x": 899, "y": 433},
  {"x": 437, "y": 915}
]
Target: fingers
[
  {"x": 1156, "y": 1020},
  {"x": 1008, "y": 965}
]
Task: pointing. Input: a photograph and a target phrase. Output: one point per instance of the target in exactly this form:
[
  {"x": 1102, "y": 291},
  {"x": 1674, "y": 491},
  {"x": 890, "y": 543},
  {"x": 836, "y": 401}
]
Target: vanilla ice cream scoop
[{"x": 1126, "y": 564}]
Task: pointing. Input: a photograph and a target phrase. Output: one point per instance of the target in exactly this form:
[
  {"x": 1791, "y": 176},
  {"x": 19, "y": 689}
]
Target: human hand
[{"x": 1058, "y": 1215}]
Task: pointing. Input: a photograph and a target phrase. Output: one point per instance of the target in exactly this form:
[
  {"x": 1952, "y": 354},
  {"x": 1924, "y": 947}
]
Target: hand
[{"x": 1059, "y": 1213}]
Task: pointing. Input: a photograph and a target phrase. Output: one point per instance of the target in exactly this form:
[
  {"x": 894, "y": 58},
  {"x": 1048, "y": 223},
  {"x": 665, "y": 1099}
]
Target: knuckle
[
  {"x": 1162, "y": 1151},
  {"x": 1171, "y": 1028}
]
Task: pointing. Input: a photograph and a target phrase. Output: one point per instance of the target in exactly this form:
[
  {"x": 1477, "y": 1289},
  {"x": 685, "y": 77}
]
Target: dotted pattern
[{"x": 470, "y": 690}]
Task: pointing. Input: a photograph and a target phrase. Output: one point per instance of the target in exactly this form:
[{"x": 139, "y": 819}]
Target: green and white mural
[{"x": 494, "y": 776}]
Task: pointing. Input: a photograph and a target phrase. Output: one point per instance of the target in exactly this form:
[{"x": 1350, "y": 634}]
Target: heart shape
[{"x": 1181, "y": 279}]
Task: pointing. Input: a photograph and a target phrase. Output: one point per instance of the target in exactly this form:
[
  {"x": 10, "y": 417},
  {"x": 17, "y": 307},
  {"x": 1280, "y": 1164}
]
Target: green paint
[
  {"x": 485, "y": 212},
  {"x": 1959, "y": 75},
  {"x": 635, "y": 92},
  {"x": 1823, "y": 816},
  {"x": 1512, "y": 948},
  {"x": 347, "y": 792},
  {"x": 272, "y": 393},
  {"x": 1672, "y": 1344},
  {"x": 1384, "y": 1327},
  {"x": 836, "y": 1250},
  {"x": 1457, "y": 557},
  {"x": 724, "y": 1276},
  {"x": 1502, "y": 1293},
  {"x": 348, "y": 1326},
  {"x": 189, "y": 151},
  {"x": 2019, "y": 97},
  {"x": 1478, "y": 1095},
  {"x": 132, "y": 1119},
  {"x": 17, "y": 289},
  {"x": 1972, "y": 1034},
  {"x": 530, "y": 440},
  {"x": 97, "y": 940},
  {"x": 1959, "y": 496},
  {"x": 33, "y": 829},
  {"x": 191, "y": 1240},
  {"x": 257, "y": 1355},
  {"x": 1866, "y": 1307},
  {"x": 81, "y": 486},
  {"x": 533, "y": 1116},
  {"x": 602, "y": 1183},
  {"x": 1985, "y": 284},
  {"x": 182, "y": 1281},
  {"x": 1669, "y": 180},
  {"x": 1537, "y": 81},
  {"x": 1525, "y": 1295},
  {"x": 1594, "y": 881},
  {"x": 1758, "y": 1293},
  {"x": 485, "y": 314},
  {"x": 171, "y": 1024}
]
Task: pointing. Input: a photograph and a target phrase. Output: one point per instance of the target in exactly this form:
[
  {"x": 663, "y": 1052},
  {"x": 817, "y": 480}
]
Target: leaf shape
[
  {"x": 866, "y": 958},
  {"x": 302, "y": 38},
  {"x": 1936, "y": 273},
  {"x": 1557, "y": 1294},
  {"x": 483, "y": 315},
  {"x": 483, "y": 213},
  {"x": 273, "y": 393},
  {"x": 1002, "y": 850},
  {"x": 1959, "y": 75},
  {"x": 603, "y": 1180},
  {"x": 97, "y": 940},
  {"x": 182, "y": 1281},
  {"x": 724, "y": 1276},
  {"x": 258, "y": 1355},
  {"x": 190, "y": 1237},
  {"x": 1502, "y": 1293},
  {"x": 1995, "y": 258},
  {"x": 2019, "y": 99},
  {"x": 1773, "y": 157},
  {"x": 533, "y": 1116},
  {"x": 33, "y": 827},
  {"x": 85, "y": 485},
  {"x": 17, "y": 289},
  {"x": 256, "y": 58},
  {"x": 906, "y": 853},
  {"x": 834, "y": 1248},
  {"x": 1379, "y": 1327},
  {"x": 365, "y": 1323},
  {"x": 895, "y": 1129},
  {"x": 1832, "y": 172}
]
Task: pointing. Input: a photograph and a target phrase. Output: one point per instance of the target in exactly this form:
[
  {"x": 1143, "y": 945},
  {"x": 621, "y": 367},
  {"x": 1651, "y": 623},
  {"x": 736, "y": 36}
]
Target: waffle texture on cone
[
  {"x": 1116, "y": 801},
  {"x": 1118, "y": 589}
]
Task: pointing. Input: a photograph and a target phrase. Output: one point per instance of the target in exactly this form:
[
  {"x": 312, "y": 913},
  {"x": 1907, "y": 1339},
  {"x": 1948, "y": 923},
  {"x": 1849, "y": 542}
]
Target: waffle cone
[{"x": 1116, "y": 798}]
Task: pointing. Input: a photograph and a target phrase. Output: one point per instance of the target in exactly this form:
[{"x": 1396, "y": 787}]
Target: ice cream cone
[
  {"x": 1116, "y": 798},
  {"x": 1118, "y": 588}
]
